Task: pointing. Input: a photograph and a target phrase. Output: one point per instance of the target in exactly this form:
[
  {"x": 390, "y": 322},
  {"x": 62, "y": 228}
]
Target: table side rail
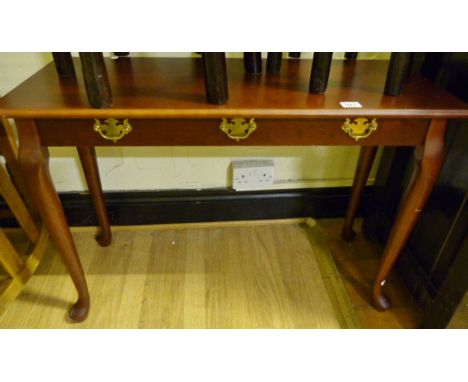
[{"x": 207, "y": 132}]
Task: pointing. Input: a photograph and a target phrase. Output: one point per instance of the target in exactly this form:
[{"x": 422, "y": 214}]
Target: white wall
[{"x": 155, "y": 168}]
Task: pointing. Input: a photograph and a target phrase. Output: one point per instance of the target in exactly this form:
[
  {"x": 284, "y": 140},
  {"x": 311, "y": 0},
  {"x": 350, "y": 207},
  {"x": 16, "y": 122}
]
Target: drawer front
[{"x": 218, "y": 132}]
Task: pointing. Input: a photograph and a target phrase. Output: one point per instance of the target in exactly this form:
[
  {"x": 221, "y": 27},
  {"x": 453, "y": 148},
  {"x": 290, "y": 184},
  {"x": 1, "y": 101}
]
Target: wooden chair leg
[
  {"x": 8, "y": 145},
  {"x": 366, "y": 159},
  {"x": 91, "y": 172},
  {"x": 17, "y": 207},
  {"x": 33, "y": 163},
  {"x": 9, "y": 149},
  {"x": 9, "y": 259},
  {"x": 12, "y": 288},
  {"x": 427, "y": 169}
]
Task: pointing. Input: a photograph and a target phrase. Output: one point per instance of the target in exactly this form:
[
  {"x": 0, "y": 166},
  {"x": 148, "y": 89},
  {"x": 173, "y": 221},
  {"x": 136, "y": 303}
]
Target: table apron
[{"x": 206, "y": 132}]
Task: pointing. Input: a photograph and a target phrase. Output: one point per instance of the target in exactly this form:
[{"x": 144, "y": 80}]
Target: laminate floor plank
[
  {"x": 234, "y": 276},
  {"x": 297, "y": 268},
  {"x": 195, "y": 307},
  {"x": 163, "y": 304},
  {"x": 252, "y": 276}
]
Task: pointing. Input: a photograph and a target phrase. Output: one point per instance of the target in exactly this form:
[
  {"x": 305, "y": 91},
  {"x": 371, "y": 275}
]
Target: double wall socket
[{"x": 252, "y": 174}]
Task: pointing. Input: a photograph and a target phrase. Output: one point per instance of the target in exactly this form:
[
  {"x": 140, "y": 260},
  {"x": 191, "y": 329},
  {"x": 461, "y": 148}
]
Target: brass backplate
[
  {"x": 238, "y": 128},
  {"x": 111, "y": 129},
  {"x": 360, "y": 128}
]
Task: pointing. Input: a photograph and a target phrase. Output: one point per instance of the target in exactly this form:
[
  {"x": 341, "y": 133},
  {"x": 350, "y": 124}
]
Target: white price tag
[{"x": 350, "y": 104}]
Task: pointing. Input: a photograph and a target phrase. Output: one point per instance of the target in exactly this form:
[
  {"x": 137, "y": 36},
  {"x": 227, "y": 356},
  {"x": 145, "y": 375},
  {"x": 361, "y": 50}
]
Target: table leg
[
  {"x": 90, "y": 168},
  {"x": 426, "y": 169},
  {"x": 33, "y": 161},
  {"x": 366, "y": 159}
]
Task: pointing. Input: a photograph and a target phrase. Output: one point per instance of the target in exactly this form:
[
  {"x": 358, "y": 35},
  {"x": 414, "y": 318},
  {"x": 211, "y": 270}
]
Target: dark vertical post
[
  {"x": 274, "y": 62},
  {"x": 321, "y": 64},
  {"x": 397, "y": 73},
  {"x": 253, "y": 62},
  {"x": 351, "y": 56},
  {"x": 216, "y": 85},
  {"x": 432, "y": 65},
  {"x": 294, "y": 54},
  {"x": 96, "y": 80},
  {"x": 64, "y": 64},
  {"x": 416, "y": 62}
]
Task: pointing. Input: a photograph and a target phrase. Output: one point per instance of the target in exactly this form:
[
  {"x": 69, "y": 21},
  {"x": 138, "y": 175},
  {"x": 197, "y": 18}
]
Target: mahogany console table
[{"x": 162, "y": 102}]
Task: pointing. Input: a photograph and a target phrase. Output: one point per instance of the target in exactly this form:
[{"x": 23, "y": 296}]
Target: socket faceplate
[{"x": 252, "y": 174}]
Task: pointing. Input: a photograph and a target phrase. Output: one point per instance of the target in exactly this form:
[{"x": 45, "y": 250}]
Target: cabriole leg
[
  {"x": 429, "y": 160},
  {"x": 33, "y": 161}
]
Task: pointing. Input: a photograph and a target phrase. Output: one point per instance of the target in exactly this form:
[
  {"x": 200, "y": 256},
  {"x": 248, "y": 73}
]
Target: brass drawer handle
[
  {"x": 360, "y": 128},
  {"x": 112, "y": 129},
  {"x": 238, "y": 128}
]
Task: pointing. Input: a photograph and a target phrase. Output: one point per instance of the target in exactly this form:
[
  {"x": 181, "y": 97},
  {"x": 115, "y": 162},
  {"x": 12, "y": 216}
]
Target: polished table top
[{"x": 174, "y": 88}]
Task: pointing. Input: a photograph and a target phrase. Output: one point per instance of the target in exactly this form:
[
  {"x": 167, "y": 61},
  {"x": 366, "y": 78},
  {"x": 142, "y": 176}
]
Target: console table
[{"x": 161, "y": 101}]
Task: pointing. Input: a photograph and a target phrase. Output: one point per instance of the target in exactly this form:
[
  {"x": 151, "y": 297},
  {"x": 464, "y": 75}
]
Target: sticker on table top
[{"x": 350, "y": 104}]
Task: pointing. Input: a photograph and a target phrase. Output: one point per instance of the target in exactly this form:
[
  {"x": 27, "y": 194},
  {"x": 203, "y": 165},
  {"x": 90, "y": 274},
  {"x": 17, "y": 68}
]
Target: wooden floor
[
  {"x": 251, "y": 276},
  {"x": 357, "y": 263},
  {"x": 236, "y": 276}
]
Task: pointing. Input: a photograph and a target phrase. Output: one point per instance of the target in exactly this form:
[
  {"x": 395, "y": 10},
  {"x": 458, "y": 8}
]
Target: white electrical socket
[{"x": 252, "y": 174}]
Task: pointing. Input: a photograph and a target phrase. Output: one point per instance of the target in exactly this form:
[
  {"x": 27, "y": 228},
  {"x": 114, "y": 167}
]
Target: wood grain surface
[
  {"x": 174, "y": 87},
  {"x": 251, "y": 276},
  {"x": 206, "y": 132}
]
